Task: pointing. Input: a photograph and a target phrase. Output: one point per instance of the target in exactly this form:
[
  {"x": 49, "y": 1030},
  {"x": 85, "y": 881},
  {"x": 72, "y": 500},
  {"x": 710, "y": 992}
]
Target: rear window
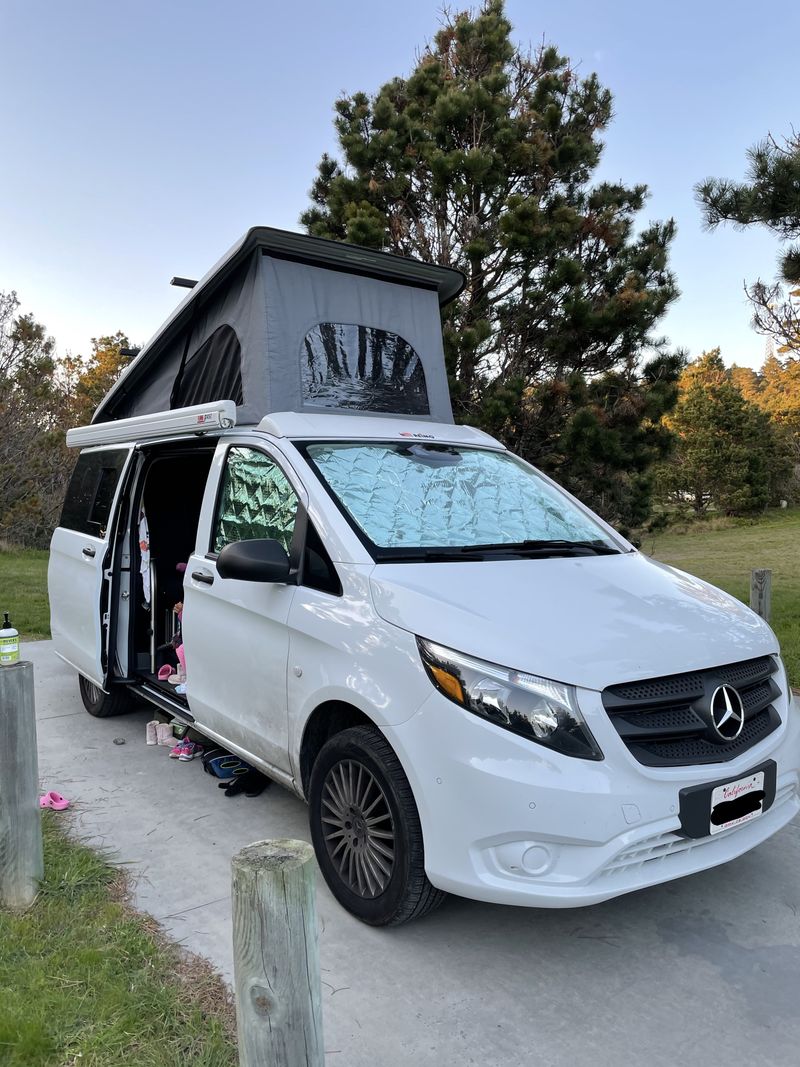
[{"x": 87, "y": 506}]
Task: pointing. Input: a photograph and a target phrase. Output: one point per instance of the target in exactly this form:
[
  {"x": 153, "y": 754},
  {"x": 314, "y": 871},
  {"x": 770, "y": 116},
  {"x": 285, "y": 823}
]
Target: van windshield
[{"x": 424, "y": 501}]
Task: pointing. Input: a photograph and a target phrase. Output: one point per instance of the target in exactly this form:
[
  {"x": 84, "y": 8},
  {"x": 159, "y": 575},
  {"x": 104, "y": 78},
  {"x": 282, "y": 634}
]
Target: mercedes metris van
[{"x": 479, "y": 687}]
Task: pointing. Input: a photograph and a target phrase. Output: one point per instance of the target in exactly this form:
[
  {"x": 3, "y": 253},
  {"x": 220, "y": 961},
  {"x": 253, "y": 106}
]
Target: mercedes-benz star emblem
[{"x": 727, "y": 712}]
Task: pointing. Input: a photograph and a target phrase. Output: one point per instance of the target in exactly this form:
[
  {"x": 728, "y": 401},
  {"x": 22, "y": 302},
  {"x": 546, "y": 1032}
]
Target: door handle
[
  {"x": 204, "y": 577},
  {"x": 88, "y": 551}
]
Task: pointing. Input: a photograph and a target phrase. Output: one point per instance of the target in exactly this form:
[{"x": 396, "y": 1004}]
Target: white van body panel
[
  {"x": 78, "y": 590},
  {"x": 75, "y": 587},
  {"x": 590, "y": 621},
  {"x": 509, "y": 822}
]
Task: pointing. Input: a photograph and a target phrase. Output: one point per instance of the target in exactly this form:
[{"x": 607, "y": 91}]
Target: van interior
[{"x": 170, "y": 495}]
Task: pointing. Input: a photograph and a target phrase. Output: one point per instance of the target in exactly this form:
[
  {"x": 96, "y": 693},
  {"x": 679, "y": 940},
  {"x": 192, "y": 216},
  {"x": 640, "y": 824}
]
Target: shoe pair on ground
[
  {"x": 186, "y": 750},
  {"x": 159, "y": 733}
]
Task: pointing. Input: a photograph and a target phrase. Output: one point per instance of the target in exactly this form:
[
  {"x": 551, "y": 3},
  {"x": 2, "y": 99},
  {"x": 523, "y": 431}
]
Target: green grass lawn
[
  {"x": 725, "y": 556},
  {"x": 23, "y": 591},
  {"x": 84, "y": 980}
]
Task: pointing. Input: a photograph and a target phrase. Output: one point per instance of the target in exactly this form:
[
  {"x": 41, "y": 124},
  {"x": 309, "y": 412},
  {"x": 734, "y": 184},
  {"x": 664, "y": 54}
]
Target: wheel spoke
[
  {"x": 380, "y": 797},
  {"x": 331, "y": 804},
  {"x": 341, "y": 845},
  {"x": 386, "y": 835},
  {"x": 371, "y": 874},
  {"x": 376, "y": 819},
  {"x": 336, "y": 790},
  {"x": 379, "y": 875},
  {"x": 384, "y": 851},
  {"x": 381, "y": 862}
]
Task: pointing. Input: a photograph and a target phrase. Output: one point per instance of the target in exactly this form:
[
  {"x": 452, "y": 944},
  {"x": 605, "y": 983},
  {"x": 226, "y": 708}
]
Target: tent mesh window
[
  {"x": 362, "y": 368},
  {"x": 213, "y": 371}
]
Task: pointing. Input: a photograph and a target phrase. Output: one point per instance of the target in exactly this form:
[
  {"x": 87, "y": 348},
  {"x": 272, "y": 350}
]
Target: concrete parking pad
[{"x": 700, "y": 971}]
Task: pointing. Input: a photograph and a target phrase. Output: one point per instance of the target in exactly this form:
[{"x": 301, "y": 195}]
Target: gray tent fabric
[
  {"x": 301, "y": 298},
  {"x": 214, "y": 372},
  {"x": 284, "y": 298}
]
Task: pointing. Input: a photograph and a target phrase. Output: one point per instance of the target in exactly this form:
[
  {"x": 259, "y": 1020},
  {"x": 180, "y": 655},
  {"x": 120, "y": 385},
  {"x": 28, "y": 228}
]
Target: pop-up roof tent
[{"x": 285, "y": 322}]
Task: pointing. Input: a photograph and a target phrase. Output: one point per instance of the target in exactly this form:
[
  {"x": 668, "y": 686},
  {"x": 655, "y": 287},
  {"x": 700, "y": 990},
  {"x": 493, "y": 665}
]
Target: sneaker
[
  {"x": 190, "y": 750},
  {"x": 164, "y": 735},
  {"x": 151, "y": 737},
  {"x": 178, "y": 750}
]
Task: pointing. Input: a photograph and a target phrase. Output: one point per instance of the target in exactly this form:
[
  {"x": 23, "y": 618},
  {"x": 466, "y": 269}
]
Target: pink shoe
[
  {"x": 164, "y": 672},
  {"x": 53, "y": 800},
  {"x": 190, "y": 750},
  {"x": 151, "y": 737},
  {"x": 178, "y": 750},
  {"x": 165, "y": 735}
]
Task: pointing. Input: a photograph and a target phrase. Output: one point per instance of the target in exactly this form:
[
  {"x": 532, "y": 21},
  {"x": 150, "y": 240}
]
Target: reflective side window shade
[
  {"x": 256, "y": 501},
  {"x": 362, "y": 368}
]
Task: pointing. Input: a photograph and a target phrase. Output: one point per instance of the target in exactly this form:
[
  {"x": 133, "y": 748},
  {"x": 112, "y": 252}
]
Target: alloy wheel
[{"x": 358, "y": 828}]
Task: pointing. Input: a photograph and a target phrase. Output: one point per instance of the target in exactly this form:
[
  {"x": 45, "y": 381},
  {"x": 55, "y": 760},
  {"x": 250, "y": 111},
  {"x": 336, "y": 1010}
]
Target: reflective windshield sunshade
[{"x": 420, "y": 495}]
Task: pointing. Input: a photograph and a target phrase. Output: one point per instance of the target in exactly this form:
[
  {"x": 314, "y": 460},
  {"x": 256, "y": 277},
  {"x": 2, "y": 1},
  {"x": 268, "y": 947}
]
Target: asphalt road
[{"x": 705, "y": 970}]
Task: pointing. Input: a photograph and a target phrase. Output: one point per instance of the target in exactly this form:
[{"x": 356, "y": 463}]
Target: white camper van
[{"x": 478, "y": 686}]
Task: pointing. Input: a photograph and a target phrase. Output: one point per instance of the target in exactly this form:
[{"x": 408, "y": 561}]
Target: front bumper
[{"x": 506, "y": 821}]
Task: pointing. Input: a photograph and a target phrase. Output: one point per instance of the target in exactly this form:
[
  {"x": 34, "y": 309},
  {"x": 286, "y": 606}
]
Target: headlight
[{"x": 536, "y": 708}]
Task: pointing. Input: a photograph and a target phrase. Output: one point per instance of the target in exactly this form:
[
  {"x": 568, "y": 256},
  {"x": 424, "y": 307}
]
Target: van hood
[{"x": 590, "y": 621}]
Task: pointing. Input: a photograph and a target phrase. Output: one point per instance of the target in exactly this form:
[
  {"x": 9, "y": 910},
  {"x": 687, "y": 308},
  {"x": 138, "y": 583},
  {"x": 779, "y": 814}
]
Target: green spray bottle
[{"x": 9, "y": 643}]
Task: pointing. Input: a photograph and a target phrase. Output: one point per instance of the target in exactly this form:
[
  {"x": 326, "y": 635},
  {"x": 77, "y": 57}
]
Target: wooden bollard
[
  {"x": 761, "y": 592},
  {"x": 21, "y": 860},
  {"x": 276, "y": 956}
]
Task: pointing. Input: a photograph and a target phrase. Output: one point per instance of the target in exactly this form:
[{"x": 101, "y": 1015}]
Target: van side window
[
  {"x": 256, "y": 501},
  {"x": 318, "y": 569},
  {"x": 87, "y": 505}
]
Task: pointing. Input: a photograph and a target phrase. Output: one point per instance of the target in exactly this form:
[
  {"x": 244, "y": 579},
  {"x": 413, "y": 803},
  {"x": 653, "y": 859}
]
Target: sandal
[{"x": 53, "y": 800}]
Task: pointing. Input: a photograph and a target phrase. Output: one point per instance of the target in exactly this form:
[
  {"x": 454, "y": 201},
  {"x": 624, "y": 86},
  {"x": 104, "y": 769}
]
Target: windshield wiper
[
  {"x": 423, "y": 555},
  {"x": 547, "y": 548},
  {"x": 524, "y": 549}
]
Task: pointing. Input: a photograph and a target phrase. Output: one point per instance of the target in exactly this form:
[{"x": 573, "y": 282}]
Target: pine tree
[
  {"x": 482, "y": 159},
  {"x": 770, "y": 196},
  {"x": 729, "y": 455}
]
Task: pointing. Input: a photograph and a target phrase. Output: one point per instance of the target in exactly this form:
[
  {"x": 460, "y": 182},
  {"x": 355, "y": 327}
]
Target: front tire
[
  {"x": 366, "y": 830},
  {"x": 103, "y": 705}
]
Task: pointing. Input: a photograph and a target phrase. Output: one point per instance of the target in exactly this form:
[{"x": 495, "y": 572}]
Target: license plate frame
[{"x": 697, "y": 803}]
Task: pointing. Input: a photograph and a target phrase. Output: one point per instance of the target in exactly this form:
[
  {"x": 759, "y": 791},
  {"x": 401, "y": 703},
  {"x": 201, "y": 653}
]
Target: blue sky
[{"x": 140, "y": 140}]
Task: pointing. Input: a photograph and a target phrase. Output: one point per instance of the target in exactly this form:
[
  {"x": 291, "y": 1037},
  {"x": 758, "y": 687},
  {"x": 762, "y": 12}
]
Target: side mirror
[{"x": 262, "y": 560}]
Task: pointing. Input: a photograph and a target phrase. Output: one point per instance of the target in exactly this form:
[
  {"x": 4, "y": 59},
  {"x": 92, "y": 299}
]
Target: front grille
[{"x": 665, "y": 722}]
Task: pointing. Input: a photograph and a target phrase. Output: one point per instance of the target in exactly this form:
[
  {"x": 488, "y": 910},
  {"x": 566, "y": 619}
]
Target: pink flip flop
[{"x": 54, "y": 801}]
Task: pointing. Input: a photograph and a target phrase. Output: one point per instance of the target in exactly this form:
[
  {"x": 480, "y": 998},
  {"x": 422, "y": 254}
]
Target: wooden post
[
  {"x": 21, "y": 861},
  {"x": 276, "y": 956},
  {"x": 761, "y": 592}
]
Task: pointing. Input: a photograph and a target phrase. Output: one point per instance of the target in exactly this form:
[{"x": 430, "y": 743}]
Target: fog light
[{"x": 536, "y": 859}]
